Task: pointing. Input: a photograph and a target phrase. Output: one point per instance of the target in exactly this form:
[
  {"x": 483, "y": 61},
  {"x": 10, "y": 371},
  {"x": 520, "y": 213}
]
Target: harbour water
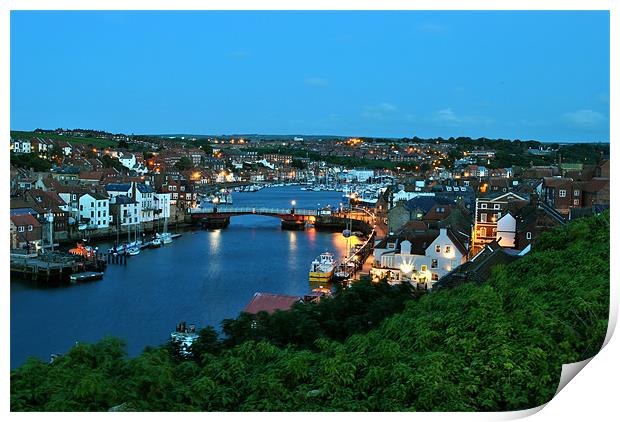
[{"x": 202, "y": 277}]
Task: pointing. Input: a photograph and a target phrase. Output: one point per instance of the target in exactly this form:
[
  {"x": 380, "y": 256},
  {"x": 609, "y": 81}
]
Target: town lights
[
  {"x": 293, "y": 202},
  {"x": 406, "y": 268}
]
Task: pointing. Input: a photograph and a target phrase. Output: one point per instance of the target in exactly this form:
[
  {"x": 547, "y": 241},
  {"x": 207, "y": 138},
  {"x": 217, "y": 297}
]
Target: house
[
  {"x": 21, "y": 146},
  {"x": 418, "y": 257},
  {"x": 268, "y": 302},
  {"x": 413, "y": 209},
  {"x": 125, "y": 210},
  {"x": 492, "y": 221},
  {"x": 25, "y": 232},
  {"x": 94, "y": 211},
  {"x": 162, "y": 200},
  {"x": 50, "y": 207}
]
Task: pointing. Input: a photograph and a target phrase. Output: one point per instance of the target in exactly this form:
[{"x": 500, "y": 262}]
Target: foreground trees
[{"x": 493, "y": 346}]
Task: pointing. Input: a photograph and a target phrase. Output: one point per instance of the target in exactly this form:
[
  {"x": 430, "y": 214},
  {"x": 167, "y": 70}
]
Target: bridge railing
[{"x": 250, "y": 210}]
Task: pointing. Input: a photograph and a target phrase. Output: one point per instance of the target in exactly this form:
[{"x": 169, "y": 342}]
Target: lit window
[
  {"x": 20, "y": 229},
  {"x": 483, "y": 217},
  {"x": 434, "y": 263},
  {"x": 448, "y": 249},
  {"x": 576, "y": 193},
  {"x": 575, "y": 201},
  {"x": 424, "y": 268},
  {"x": 562, "y": 193},
  {"x": 528, "y": 235},
  {"x": 483, "y": 206},
  {"x": 437, "y": 248}
]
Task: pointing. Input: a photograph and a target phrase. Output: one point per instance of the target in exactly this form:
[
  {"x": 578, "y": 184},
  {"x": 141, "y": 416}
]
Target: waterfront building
[
  {"x": 94, "y": 211},
  {"x": 124, "y": 210},
  {"x": 419, "y": 257},
  {"x": 25, "y": 231}
]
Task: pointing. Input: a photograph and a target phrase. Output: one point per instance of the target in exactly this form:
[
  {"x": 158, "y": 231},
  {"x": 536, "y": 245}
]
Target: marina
[{"x": 204, "y": 276}]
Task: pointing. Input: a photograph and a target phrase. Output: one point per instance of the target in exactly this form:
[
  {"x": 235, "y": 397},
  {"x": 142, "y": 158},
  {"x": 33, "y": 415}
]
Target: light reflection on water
[{"x": 202, "y": 277}]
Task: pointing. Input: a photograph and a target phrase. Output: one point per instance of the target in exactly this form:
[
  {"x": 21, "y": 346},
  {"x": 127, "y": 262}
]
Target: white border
[{"x": 593, "y": 393}]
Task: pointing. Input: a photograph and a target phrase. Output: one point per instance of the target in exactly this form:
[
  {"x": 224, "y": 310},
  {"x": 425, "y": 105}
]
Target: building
[
  {"x": 419, "y": 257},
  {"x": 94, "y": 211},
  {"x": 492, "y": 221},
  {"x": 125, "y": 211},
  {"x": 25, "y": 232}
]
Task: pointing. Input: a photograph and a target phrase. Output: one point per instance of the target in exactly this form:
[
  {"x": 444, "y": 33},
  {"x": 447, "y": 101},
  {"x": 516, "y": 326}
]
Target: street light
[{"x": 293, "y": 203}]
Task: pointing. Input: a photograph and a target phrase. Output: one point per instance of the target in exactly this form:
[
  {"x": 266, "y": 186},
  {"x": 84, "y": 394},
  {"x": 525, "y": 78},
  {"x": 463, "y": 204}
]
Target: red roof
[
  {"x": 25, "y": 220},
  {"x": 270, "y": 303}
]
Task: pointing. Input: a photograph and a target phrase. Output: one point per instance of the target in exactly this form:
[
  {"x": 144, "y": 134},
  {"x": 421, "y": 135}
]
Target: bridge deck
[{"x": 252, "y": 210}]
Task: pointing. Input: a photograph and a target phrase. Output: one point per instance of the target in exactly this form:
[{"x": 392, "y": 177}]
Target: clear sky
[{"x": 525, "y": 75}]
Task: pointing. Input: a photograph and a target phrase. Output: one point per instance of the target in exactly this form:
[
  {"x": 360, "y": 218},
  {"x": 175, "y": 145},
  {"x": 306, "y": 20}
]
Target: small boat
[
  {"x": 132, "y": 251},
  {"x": 85, "y": 276},
  {"x": 155, "y": 243},
  {"x": 184, "y": 336},
  {"x": 322, "y": 268}
]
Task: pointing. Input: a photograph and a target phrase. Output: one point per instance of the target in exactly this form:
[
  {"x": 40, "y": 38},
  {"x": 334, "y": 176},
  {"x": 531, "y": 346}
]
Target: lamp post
[{"x": 293, "y": 202}]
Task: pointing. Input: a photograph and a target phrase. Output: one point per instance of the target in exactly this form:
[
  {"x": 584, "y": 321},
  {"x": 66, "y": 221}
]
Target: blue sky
[{"x": 526, "y": 75}]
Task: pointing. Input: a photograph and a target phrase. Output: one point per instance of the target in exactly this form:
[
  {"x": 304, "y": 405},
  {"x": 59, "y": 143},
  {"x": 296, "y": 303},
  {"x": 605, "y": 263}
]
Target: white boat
[
  {"x": 134, "y": 250},
  {"x": 166, "y": 238},
  {"x": 322, "y": 268},
  {"x": 184, "y": 337}
]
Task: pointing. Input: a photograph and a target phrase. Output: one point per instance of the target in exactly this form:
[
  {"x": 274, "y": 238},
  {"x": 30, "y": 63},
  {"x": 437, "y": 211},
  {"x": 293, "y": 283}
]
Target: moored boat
[
  {"x": 322, "y": 268},
  {"x": 85, "y": 276}
]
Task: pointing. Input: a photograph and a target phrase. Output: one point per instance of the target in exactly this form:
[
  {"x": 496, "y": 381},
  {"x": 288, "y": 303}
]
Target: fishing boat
[{"x": 322, "y": 268}]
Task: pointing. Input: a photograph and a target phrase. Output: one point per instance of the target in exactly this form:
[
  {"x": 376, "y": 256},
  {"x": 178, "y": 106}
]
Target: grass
[{"x": 96, "y": 142}]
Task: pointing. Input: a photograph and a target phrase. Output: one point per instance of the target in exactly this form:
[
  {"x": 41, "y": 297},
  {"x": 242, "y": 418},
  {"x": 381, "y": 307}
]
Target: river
[{"x": 203, "y": 277}]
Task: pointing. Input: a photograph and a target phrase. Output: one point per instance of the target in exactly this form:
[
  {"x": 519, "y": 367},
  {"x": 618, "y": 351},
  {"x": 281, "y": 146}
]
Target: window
[
  {"x": 74, "y": 197},
  {"x": 424, "y": 268},
  {"x": 81, "y": 207},
  {"x": 434, "y": 263},
  {"x": 528, "y": 235},
  {"x": 483, "y": 217},
  {"x": 448, "y": 248},
  {"x": 562, "y": 193},
  {"x": 483, "y": 206},
  {"x": 92, "y": 214},
  {"x": 576, "y": 193},
  {"x": 496, "y": 206},
  {"x": 575, "y": 201},
  {"x": 92, "y": 205},
  {"x": 20, "y": 229},
  {"x": 437, "y": 248},
  {"x": 29, "y": 227},
  {"x": 435, "y": 276}
]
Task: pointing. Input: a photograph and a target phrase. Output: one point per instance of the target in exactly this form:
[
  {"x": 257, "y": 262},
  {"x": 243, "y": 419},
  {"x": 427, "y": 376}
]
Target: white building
[
  {"x": 162, "y": 204},
  {"x": 21, "y": 146},
  {"x": 421, "y": 267},
  {"x": 94, "y": 211}
]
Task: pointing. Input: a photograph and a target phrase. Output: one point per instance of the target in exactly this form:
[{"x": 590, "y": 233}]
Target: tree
[{"x": 184, "y": 164}]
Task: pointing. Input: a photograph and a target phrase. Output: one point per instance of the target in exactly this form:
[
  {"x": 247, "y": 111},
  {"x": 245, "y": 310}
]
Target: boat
[
  {"x": 322, "y": 268},
  {"x": 184, "y": 336},
  {"x": 133, "y": 251},
  {"x": 155, "y": 243},
  {"x": 85, "y": 276},
  {"x": 82, "y": 250}
]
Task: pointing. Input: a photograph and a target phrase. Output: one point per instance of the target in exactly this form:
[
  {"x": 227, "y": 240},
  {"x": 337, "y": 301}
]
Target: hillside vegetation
[
  {"x": 494, "y": 346},
  {"x": 95, "y": 142}
]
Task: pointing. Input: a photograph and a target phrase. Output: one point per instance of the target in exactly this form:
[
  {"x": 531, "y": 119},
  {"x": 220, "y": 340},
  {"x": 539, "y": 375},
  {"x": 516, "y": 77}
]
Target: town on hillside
[{"x": 442, "y": 209}]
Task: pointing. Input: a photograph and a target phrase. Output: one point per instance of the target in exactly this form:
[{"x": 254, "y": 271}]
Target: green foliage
[
  {"x": 184, "y": 164},
  {"x": 30, "y": 161},
  {"x": 96, "y": 142},
  {"x": 494, "y": 346}
]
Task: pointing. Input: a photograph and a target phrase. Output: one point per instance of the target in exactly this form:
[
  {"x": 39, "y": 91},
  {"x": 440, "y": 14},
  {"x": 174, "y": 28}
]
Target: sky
[{"x": 513, "y": 75}]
